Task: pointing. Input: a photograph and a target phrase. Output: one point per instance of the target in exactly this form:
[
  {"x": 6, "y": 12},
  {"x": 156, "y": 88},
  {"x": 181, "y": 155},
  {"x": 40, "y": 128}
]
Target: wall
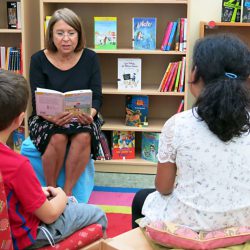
[{"x": 200, "y": 10}]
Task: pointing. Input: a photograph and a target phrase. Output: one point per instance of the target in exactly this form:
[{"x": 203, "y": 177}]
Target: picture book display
[
  {"x": 231, "y": 11},
  {"x": 123, "y": 145},
  {"x": 136, "y": 111},
  {"x": 144, "y": 33},
  {"x": 129, "y": 74},
  {"x": 246, "y": 11},
  {"x": 52, "y": 102},
  {"x": 18, "y": 138},
  {"x": 149, "y": 146},
  {"x": 105, "y": 33}
]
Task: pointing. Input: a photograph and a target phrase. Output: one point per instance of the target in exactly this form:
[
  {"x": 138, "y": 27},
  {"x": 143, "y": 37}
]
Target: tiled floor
[{"x": 124, "y": 180}]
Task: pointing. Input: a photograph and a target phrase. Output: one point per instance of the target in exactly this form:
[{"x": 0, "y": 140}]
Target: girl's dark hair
[{"x": 224, "y": 102}]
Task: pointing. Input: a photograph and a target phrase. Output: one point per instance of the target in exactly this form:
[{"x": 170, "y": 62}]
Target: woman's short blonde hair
[{"x": 69, "y": 17}]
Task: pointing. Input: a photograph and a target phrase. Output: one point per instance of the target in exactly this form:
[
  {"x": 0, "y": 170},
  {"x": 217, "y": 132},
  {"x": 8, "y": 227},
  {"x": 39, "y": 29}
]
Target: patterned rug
[{"x": 116, "y": 202}]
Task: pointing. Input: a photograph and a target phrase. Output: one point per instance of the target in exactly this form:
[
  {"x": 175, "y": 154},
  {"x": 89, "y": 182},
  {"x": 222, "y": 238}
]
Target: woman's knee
[
  {"x": 58, "y": 140},
  {"x": 82, "y": 139}
]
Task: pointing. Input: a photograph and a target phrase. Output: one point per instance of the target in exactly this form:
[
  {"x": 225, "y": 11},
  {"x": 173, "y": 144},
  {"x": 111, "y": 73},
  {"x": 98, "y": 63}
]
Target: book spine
[
  {"x": 185, "y": 35},
  {"x": 171, "y": 85},
  {"x": 181, "y": 34},
  {"x": 170, "y": 77},
  {"x": 166, "y": 35},
  {"x": 177, "y": 37},
  {"x": 164, "y": 78},
  {"x": 177, "y": 80},
  {"x": 180, "y": 108},
  {"x": 12, "y": 14},
  {"x": 171, "y": 37},
  {"x": 182, "y": 78}
]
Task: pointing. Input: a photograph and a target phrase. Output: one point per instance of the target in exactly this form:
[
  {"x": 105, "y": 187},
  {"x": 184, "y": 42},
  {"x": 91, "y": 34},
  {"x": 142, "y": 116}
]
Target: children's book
[
  {"x": 52, "y": 102},
  {"x": 231, "y": 11},
  {"x": 123, "y": 145},
  {"x": 136, "y": 111},
  {"x": 18, "y": 138},
  {"x": 166, "y": 35},
  {"x": 246, "y": 11},
  {"x": 105, "y": 33},
  {"x": 144, "y": 33},
  {"x": 129, "y": 74},
  {"x": 12, "y": 14},
  {"x": 149, "y": 146}
]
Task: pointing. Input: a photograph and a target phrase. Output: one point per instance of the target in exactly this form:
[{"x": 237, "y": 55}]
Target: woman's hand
[
  {"x": 60, "y": 119},
  {"x": 84, "y": 118}
]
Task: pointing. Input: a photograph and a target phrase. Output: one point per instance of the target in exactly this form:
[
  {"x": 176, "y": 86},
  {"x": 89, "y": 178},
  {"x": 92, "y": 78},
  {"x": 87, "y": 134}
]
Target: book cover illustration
[
  {"x": 149, "y": 146},
  {"x": 51, "y": 102},
  {"x": 18, "y": 138},
  {"x": 136, "y": 111},
  {"x": 129, "y": 74},
  {"x": 144, "y": 33},
  {"x": 246, "y": 11},
  {"x": 12, "y": 14},
  {"x": 231, "y": 11},
  {"x": 123, "y": 145},
  {"x": 105, "y": 33}
]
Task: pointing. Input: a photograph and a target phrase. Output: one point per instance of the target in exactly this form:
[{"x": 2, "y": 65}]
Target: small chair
[
  {"x": 85, "y": 184},
  {"x": 77, "y": 240}
]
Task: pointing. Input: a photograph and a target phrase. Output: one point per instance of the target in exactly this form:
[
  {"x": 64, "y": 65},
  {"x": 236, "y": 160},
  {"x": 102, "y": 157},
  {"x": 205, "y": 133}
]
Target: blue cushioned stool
[{"x": 85, "y": 183}]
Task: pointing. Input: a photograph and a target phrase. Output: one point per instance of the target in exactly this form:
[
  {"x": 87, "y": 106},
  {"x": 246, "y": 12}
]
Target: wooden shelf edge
[
  {"x": 124, "y": 167},
  {"x": 11, "y": 31},
  {"x": 229, "y": 24}
]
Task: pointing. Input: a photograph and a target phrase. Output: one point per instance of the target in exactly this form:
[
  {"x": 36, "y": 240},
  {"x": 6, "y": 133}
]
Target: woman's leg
[
  {"x": 77, "y": 160},
  {"x": 53, "y": 158},
  {"x": 137, "y": 204}
]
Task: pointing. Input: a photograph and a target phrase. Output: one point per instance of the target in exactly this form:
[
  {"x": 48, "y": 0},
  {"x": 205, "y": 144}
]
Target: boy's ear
[
  {"x": 18, "y": 120},
  {"x": 193, "y": 75}
]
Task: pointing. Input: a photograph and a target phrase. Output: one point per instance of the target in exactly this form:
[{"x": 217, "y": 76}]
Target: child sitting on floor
[{"x": 35, "y": 213}]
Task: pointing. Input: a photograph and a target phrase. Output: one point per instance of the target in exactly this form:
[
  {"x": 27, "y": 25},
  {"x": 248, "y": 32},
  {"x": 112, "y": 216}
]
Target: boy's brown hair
[{"x": 14, "y": 95}]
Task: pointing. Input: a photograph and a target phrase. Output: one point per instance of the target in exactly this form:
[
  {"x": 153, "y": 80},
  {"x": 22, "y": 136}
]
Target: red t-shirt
[{"x": 24, "y": 196}]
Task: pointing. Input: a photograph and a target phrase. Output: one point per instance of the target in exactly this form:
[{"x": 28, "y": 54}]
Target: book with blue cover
[
  {"x": 105, "y": 33},
  {"x": 136, "y": 111},
  {"x": 144, "y": 33},
  {"x": 149, "y": 146}
]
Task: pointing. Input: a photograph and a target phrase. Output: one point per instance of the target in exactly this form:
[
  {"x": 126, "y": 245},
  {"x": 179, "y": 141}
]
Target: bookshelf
[
  {"x": 239, "y": 29},
  {"x": 24, "y": 38},
  {"x": 154, "y": 63}
]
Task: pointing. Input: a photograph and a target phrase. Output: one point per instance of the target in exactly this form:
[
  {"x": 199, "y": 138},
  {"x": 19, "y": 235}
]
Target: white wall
[{"x": 200, "y": 10}]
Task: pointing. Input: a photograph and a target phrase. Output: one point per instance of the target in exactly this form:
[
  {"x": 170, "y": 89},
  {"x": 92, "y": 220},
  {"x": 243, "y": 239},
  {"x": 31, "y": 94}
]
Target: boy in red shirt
[{"x": 35, "y": 220}]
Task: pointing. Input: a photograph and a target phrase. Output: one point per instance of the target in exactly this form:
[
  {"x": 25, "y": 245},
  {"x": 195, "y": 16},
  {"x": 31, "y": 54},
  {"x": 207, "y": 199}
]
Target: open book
[{"x": 52, "y": 102}]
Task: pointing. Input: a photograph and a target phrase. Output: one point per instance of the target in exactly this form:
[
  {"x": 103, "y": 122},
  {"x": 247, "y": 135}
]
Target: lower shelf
[{"x": 132, "y": 166}]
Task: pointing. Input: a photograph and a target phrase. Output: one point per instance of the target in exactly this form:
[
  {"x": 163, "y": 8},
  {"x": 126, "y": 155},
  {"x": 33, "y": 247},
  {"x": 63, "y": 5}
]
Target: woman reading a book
[
  {"x": 65, "y": 65},
  {"x": 203, "y": 171}
]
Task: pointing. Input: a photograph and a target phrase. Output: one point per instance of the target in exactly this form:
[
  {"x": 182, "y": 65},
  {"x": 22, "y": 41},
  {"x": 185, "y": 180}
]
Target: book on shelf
[
  {"x": 2, "y": 57},
  {"x": 19, "y": 17},
  {"x": 123, "y": 145},
  {"x": 181, "y": 106},
  {"x": 149, "y": 146},
  {"x": 168, "y": 45},
  {"x": 18, "y": 138},
  {"x": 144, "y": 33},
  {"x": 177, "y": 36},
  {"x": 231, "y": 11},
  {"x": 129, "y": 74},
  {"x": 182, "y": 75},
  {"x": 105, "y": 33},
  {"x": 46, "y": 23},
  {"x": 12, "y": 58},
  {"x": 52, "y": 102},
  {"x": 12, "y": 14},
  {"x": 136, "y": 111},
  {"x": 246, "y": 11},
  {"x": 104, "y": 149},
  {"x": 166, "y": 35}
]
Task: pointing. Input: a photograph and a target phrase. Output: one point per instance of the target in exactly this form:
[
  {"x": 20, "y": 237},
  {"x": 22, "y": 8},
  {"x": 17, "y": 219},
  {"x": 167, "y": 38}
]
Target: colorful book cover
[
  {"x": 166, "y": 35},
  {"x": 123, "y": 145},
  {"x": 105, "y": 33},
  {"x": 246, "y": 11},
  {"x": 129, "y": 74},
  {"x": 231, "y": 11},
  {"x": 149, "y": 146},
  {"x": 12, "y": 14},
  {"x": 136, "y": 111},
  {"x": 167, "y": 47},
  {"x": 18, "y": 138},
  {"x": 144, "y": 33}
]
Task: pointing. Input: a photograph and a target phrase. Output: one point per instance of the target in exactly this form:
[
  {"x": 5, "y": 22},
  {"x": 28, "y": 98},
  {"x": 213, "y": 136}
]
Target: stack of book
[
  {"x": 174, "y": 77},
  {"x": 175, "y": 35}
]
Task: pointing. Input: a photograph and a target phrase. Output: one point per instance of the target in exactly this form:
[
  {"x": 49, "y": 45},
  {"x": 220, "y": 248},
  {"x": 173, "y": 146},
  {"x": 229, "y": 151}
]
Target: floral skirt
[{"x": 41, "y": 131}]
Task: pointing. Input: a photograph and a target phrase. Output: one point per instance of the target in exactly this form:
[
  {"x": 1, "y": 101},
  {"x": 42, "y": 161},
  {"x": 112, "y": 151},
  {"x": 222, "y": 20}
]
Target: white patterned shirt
[{"x": 213, "y": 177}]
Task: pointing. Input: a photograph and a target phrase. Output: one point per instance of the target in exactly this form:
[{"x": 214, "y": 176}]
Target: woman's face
[{"x": 65, "y": 37}]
